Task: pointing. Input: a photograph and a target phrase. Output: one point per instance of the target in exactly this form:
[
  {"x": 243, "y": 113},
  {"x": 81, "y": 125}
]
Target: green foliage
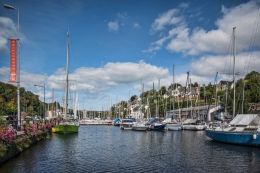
[
  {"x": 30, "y": 102},
  {"x": 3, "y": 149},
  {"x": 251, "y": 83}
]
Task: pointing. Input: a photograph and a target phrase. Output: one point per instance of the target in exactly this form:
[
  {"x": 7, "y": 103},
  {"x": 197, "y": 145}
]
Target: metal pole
[
  {"x": 43, "y": 86},
  {"x": 8, "y": 6},
  {"x": 44, "y": 101},
  {"x": 243, "y": 97},
  {"x": 18, "y": 73},
  {"x": 204, "y": 93},
  {"x": 234, "y": 79},
  {"x": 173, "y": 87},
  {"x": 226, "y": 93},
  {"x": 190, "y": 100},
  {"x": 67, "y": 76},
  {"x": 216, "y": 88}
]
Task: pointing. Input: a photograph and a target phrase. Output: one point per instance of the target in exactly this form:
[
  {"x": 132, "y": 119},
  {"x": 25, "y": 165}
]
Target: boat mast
[
  {"x": 75, "y": 111},
  {"x": 190, "y": 95},
  {"x": 226, "y": 97},
  {"x": 216, "y": 90},
  {"x": 186, "y": 89},
  {"x": 243, "y": 97},
  {"x": 234, "y": 65},
  {"x": 173, "y": 100},
  {"x": 141, "y": 105},
  {"x": 67, "y": 75}
]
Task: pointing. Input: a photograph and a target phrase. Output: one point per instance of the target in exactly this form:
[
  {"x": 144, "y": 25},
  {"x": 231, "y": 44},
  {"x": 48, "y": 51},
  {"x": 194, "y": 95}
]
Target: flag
[{"x": 13, "y": 59}]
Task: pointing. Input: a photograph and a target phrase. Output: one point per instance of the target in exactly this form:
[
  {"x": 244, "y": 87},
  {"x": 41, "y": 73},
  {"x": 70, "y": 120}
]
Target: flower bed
[
  {"x": 12, "y": 144},
  {"x": 7, "y": 134}
]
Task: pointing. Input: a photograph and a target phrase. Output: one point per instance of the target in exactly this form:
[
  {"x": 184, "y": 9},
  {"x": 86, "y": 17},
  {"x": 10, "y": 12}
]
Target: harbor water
[{"x": 109, "y": 149}]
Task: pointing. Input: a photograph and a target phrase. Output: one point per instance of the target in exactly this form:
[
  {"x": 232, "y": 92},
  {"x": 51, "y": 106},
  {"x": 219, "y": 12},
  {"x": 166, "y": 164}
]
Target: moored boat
[
  {"x": 68, "y": 126},
  {"x": 193, "y": 124},
  {"x": 140, "y": 126},
  {"x": 154, "y": 125},
  {"x": 126, "y": 124},
  {"x": 172, "y": 124},
  {"x": 116, "y": 122},
  {"x": 95, "y": 121},
  {"x": 244, "y": 129}
]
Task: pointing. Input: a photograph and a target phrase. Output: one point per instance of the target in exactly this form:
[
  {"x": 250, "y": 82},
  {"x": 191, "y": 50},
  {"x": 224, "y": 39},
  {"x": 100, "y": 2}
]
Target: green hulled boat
[
  {"x": 65, "y": 128},
  {"x": 69, "y": 124}
]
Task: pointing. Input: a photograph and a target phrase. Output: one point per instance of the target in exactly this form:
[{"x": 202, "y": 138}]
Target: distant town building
[
  {"x": 223, "y": 85},
  {"x": 181, "y": 92},
  {"x": 135, "y": 107}
]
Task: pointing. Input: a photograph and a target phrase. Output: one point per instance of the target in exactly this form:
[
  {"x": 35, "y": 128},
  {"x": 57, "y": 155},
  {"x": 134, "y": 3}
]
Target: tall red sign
[{"x": 13, "y": 59}]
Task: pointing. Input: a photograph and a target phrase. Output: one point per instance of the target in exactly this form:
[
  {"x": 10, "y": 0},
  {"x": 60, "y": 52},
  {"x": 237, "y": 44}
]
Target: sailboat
[
  {"x": 191, "y": 123},
  {"x": 69, "y": 124},
  {"x": 136, "y": 111},
  {"x": 170, "y": 121},
  {"x": 244, "y": 129}
]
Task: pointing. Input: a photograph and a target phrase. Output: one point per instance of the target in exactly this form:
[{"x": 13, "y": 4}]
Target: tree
[
  {"x": 8, "y": 96},
  {"x": 11, "y": 108}
]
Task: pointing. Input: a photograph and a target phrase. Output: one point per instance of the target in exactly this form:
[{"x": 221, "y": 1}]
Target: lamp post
[
  {"x": 10, "y": 7},
  {"x": 43, "y": 86}
]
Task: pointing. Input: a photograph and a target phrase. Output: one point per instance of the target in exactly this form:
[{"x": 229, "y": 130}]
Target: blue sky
[{"x": 117, "y": 44}]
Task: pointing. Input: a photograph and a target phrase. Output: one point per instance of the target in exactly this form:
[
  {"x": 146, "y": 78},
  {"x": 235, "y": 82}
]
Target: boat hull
[
  {"x": 126, "y": 126},
  {"x": 239, "y": 138},
  {"x": 157, "y": 127},
  {"x": 140, "y": 128},
  {"x": 65, "y": 128},
  {"x": 116, "y": 124},
  {"x": 173, "y": 127},
  {"x": 194, "y": 127}
]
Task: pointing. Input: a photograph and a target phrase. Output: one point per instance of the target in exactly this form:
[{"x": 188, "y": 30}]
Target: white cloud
[
  {"x": 28, "y": 80},
  {"x": 207, "y": 66},
  {"x": 181, "y": 78},
  {"x": 8, "y": 30},
  {"x": 170, "y": 17},
  {"x": 119, "y": 21},
  {"x": 113, "y": 25},
  {"x": 197, "y": 41},
  {"x": 136, "y": 25},
  {"x": 115, "y": 78},
  {"x": 4, "y": 72},
  {"x": 154, "y": 46},
  {"x": 94, "y": 80}
]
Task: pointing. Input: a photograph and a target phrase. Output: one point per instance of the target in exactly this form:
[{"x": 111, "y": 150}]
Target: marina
[{"x": 129, "y": 86}]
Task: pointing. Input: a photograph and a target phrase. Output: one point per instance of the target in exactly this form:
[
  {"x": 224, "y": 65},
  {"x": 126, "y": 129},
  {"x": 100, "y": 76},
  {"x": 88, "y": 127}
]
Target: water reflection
[{"x": 109, "y": 149}]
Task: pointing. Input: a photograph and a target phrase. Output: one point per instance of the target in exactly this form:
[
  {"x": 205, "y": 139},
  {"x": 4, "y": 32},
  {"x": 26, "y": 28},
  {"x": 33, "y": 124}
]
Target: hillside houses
[{"x": 182, "y": 92}]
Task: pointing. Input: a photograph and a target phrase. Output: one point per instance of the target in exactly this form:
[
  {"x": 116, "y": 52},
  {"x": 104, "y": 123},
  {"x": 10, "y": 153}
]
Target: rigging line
[
  {"x": 229, "y": 62},
  {"x": 252, "y": 43},
  {"x": 230, "y": 58},
  {"x": 226, "y": 59}
]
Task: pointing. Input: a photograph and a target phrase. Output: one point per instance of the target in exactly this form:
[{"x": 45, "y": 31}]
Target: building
[
  {"x": 223, "y": 85},
  {"x": 189, "y": 93}
]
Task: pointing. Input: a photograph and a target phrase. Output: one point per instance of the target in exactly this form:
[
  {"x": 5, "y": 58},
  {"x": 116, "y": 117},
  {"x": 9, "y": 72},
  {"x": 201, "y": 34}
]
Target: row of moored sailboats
[{"x": 154, "y": 124}]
